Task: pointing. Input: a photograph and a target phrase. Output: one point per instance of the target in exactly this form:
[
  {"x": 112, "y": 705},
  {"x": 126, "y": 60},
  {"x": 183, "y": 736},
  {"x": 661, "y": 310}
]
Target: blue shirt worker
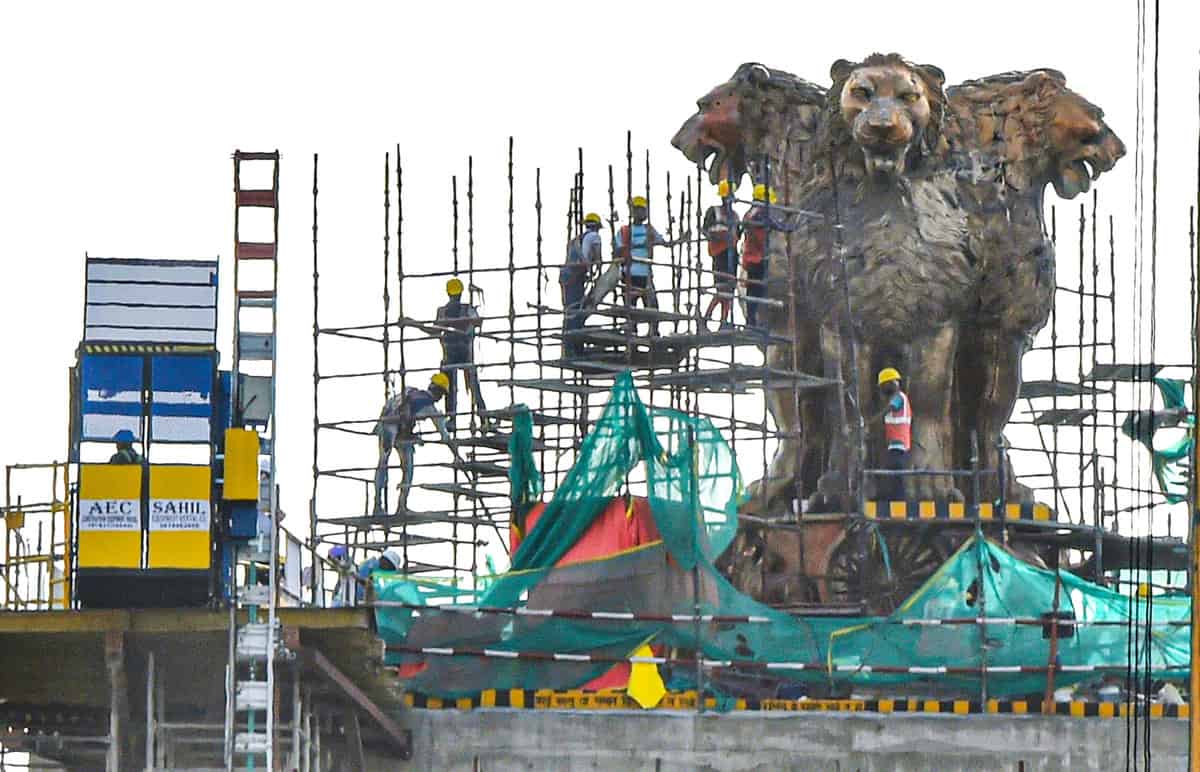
[
  {"x": 458, "y": 351},
  {"x": 390, "y": 560},
  {"x": 344, "y": 592},
  {"x": 634, "y": 244},
  {"x": 396, "y": 429},
  {"x": 583, "y": 258}
]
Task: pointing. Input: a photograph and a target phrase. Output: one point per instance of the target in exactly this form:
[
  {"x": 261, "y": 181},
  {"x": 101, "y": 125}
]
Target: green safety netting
[
  {"x": 693, "y": 486},
  {"x": 1171, "y": 464}
]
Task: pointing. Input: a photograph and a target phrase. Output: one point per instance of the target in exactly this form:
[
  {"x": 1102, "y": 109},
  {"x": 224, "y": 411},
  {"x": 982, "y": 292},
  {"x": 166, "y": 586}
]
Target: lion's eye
[
  {"x": 858, "y": 92},
  {"x": 911, "y": 97}
]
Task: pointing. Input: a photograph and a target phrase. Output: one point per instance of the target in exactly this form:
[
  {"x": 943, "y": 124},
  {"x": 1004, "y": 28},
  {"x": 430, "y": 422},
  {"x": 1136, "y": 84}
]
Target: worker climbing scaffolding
[
  {"x": 396, "y": 430},
  {"x": 462, "y": 320}
]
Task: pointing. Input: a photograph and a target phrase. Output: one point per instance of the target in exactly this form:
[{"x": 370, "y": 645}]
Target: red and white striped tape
[{"x": 544, "y": 656}]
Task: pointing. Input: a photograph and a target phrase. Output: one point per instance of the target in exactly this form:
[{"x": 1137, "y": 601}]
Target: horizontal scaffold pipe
[
  {"x": 622, "y": 616},
  {"x": 816, "y": 667},
  {"x": 930, "y": 472},
  {"x": 1010, "y": 621}
]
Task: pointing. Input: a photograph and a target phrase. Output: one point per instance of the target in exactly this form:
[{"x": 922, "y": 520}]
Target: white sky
[{"x": 119, "y": 121}]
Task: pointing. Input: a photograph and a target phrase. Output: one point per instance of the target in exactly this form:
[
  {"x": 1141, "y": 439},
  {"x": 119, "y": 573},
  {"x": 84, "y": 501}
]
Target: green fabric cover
[{"x": 693, "y": 485}]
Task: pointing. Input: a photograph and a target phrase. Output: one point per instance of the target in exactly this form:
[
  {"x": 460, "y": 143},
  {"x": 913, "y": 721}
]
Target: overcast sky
[{"x": 119, "y": 121}]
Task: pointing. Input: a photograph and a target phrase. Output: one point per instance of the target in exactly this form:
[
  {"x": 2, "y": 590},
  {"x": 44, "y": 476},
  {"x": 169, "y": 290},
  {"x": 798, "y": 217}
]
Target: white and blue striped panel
[
  {"x": 181, "y": 408},
  {"x": 112, "y": 396}
]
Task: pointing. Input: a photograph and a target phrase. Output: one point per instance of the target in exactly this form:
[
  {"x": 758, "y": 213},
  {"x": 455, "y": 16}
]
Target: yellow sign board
[
  {"x": 180, "y": 517},
  {"x": 110, "y": 516}
]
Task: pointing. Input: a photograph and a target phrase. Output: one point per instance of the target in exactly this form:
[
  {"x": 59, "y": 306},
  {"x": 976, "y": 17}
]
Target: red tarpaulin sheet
[{"x": 617, "y": 528}]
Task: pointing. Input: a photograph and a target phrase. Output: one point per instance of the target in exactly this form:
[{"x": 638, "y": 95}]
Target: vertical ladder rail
[{"x": 254, "y": 641}]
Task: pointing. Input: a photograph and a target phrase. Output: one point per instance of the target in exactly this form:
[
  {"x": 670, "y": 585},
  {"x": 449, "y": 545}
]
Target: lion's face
[
  {"x": 715, "y": 132},
  {"x": 888, "y": 108},
  {"x": 1084, "y": 146}
]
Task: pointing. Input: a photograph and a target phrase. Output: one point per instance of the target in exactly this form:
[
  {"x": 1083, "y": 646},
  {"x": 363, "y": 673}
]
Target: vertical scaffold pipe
[
  {"x": 471, "y": 280},
  {"x": 400, "y": 265},
  {"x": 539, "y": 302},
  {"x": 387, "y": 297},
  {"x": 1080, "y": 332},
  {"x": 460, "y": 374},
  {"x": 316, "y": 373},
  {"x": 1194, "y": 662},
  {"x": 512, "y": 312},
  {"x": 400, "y": 309}
]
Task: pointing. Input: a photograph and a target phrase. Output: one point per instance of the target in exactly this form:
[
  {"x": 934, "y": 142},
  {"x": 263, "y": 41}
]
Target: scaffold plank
[
  {"x": 540, "y": 418},
  {"x": 1039, "y": 389},
  {"x": 739, "y": 377},
  {"x": 552, "y": 384},
  {"x": 395, "y": 522},
  {"x": 482, "y": 468},
  {"x": 1123, "y": 372},
  {"x": 466, "y": 491},
  {"x": 1063, "y": 416},
  {"x": 639, "y": 314}
]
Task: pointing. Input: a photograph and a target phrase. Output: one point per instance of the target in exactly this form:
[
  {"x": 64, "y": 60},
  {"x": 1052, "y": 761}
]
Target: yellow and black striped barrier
[
  {"x": 616, "y": 699},
  {"x": 953, "y": 510},
  {"x": 146, "y": 348}
]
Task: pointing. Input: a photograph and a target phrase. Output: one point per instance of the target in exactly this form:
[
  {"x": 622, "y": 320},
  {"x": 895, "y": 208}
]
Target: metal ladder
[{"x": 255, "y": 646}]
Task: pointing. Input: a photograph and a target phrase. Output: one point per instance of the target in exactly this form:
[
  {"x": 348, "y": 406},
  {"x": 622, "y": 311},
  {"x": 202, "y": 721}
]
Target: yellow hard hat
[
  {"x": 724, "y": 188},
  {"x": 441, "y": 380},
  {"x": 888, "y": 374},
  {"x": 762, "y": 193},
  {"x": 639, "y": 201},
  {"x": 591, "y": 217},
  {"x": 454, "y": 287}
]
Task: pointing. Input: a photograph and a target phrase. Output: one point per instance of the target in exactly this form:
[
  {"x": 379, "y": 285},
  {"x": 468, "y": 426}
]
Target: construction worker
[
  {"x": 722, "y": 227},
  {"x": 583, "y": 259},
  {"x": 634, "y": 244},
  {"x": 897, "y": 433},
  {"x": 458, "y": 351},
  {"x": 396, "y": 429},
  {"x": 754, "y": 249},
  {"x": 125, "y": 453},
  {"x": 390, "y": 560},
  {"x": 344, "y": 592}
]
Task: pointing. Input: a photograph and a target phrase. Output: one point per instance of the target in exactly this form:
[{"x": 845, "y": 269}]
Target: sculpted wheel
[{"x": 858, "y": 572}]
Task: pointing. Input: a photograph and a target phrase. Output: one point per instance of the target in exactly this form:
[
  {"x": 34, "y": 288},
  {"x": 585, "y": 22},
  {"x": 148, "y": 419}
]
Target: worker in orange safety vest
[
  {"x": 722, "y": 227},
  {"x": 897, "y": 433},
  {"x": 755, "y": 225}
]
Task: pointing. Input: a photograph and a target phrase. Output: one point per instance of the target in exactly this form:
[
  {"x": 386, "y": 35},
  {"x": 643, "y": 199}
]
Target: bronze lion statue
[{"x": 948, "y": 271}]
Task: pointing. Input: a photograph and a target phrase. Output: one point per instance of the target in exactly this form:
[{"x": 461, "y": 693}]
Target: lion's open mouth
[
  {"x": 720, "y": 163},
  {"x": 884, "y": 163},
  {"x": 1076, "y": 177}
]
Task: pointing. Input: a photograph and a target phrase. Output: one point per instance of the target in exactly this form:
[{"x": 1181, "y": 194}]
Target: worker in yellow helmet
[
  {"x": 634, "y": 244},
  {"x": 584, "y": 256},
  {"x": 897, "y": 434},
  {"x": 722, "y": 227},
  {"x": 396, "y": 430},
  {"x": 460, "y": 321},
  {"x": 756, "y": 225}
]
